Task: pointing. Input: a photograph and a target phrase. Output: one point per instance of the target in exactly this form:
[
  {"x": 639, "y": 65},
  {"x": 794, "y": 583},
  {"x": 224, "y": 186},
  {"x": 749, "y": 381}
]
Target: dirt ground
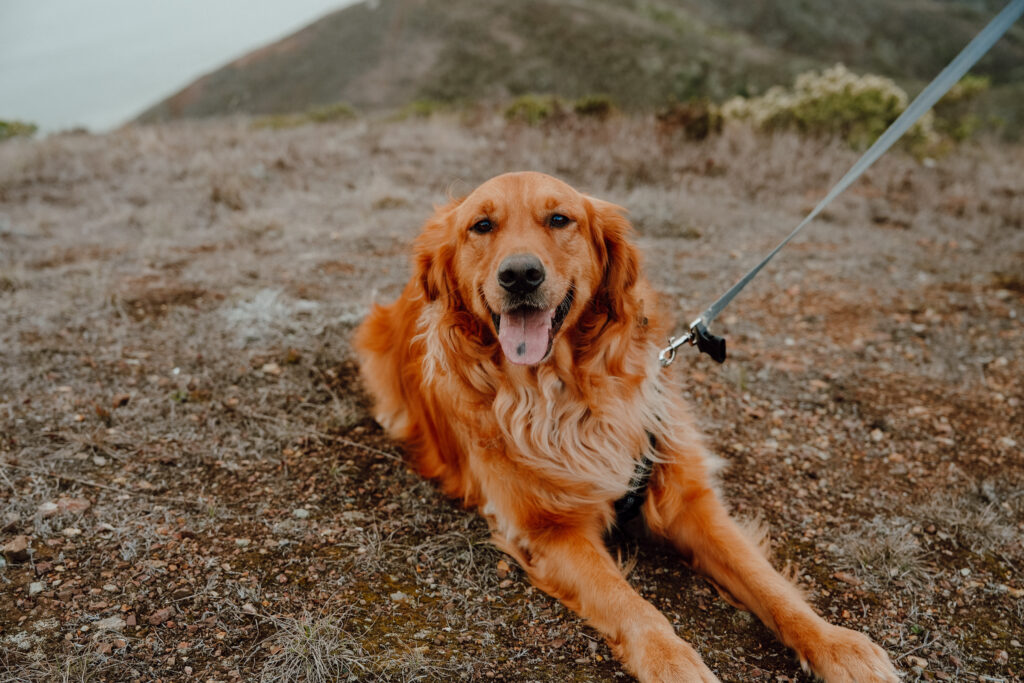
[{"x": 187, "y": 453}]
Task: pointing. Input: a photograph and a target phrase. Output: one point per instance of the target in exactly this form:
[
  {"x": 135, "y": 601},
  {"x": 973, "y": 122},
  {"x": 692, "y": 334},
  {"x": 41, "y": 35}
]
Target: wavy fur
[{"x": 543, "y": 451}]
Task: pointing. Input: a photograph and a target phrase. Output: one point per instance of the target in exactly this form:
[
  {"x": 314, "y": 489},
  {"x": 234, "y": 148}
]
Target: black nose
[{"x": 521, "y": 273}]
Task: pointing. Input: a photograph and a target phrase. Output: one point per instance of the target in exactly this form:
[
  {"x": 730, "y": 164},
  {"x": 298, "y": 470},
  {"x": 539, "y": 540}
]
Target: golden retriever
[{"x": 519, "y": 368}]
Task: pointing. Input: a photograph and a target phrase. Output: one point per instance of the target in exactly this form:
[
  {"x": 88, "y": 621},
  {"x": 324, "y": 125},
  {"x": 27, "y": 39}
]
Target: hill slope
[{"x": 643, "y": 53}]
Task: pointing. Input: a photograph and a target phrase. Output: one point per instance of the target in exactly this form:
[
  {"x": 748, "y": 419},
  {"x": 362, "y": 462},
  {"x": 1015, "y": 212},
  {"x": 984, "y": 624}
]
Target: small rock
[
  {"x": 399, "y": 596},
  {"x": 877, "y": 435},
  {"x": 46, "y": 510},
  {"x": 503, "y": 569},
  {"x": 300, "y": 513},
  {"x": 965, "y": 572},
  {"x": 1002, "y": 657},
  {"x": 71, "y": 531},
  {"x": 99, "y": 460},
  {"x": 271, "y": 369},
  {"x": 241, "y": 542},
  {"x": 249, "y": 608},
  {"x": 848, "y": 578},
  {"x": 130, "y": 620},
  {"x": 35, "y": 588},
  {"x": 11, "y": 520},
  {"x": 917, "y": 661},
  {"x": 16, "y": 550},
  {"x": 104, "y": 648},
  {"x": 72, "y": 506},
  {"x": 160, "y": 616},
  {"x": 114, "y": 623},
  {"x": 110, "y": 588}
]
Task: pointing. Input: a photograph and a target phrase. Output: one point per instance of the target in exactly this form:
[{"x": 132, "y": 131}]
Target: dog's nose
[{"x": 521, "y": 273}]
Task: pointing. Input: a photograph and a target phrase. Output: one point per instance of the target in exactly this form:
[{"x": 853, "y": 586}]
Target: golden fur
[{"x": 544, "y": 449}]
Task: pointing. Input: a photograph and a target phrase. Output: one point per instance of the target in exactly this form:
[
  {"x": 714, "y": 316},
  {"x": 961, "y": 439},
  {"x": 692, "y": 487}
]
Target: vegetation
[
  {"x": 331, "y": 113},
  {"x": 534, "y": 109},
  {"x": 641, "y": 54},
  {"x": 16, "y": 129}
]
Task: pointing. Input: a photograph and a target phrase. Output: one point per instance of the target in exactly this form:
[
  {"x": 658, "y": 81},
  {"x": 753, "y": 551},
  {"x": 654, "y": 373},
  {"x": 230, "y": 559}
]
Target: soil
[{"x": 185, "y": 447}]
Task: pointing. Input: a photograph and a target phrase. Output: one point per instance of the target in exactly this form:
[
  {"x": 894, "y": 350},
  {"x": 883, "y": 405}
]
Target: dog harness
[{"x": 628, "y": 507}]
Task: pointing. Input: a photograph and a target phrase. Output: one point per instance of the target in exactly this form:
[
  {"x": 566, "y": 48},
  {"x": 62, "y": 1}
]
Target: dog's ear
[
  {"x": 618, "y": 257},
  {"x": 434, "y": 254}
]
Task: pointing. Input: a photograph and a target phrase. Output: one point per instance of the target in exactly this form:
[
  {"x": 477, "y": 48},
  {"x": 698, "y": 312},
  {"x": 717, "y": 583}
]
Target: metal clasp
[{"x": 668, "y": 354}]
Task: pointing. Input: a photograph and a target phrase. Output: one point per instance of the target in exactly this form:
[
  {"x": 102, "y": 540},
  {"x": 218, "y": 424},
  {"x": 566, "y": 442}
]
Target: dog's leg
[
  {"x": 683, "y": 507},
  {"x": 574, "y": 566}
]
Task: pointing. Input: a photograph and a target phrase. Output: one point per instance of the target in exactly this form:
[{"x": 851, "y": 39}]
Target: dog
[{"x": 519, "y": 369}]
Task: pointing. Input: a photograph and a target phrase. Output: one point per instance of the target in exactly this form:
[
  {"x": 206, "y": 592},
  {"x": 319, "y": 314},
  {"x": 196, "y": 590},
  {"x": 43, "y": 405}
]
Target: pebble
[
  {"x": 242, "y": 542},
  {"x": 300, "y": 513},
  {"x": 110, "y": 588},
  {"x": 99, "y": 460},
  {"x": 73, "y": 506},
  {"x": 399, "y": 596},
  {"x": 503, "y": 569},
  {"x": 1002, "y": 657},
  {"x": 48, "y": 509},
  {"x": 35, "y": 588},
  {"x": 271, "y": 369},
  {"x": 114, "y": 623},
  {"x": 71, "y": 531},
  {"x": 160, "y": 616},
  {"x": 16, "y": 550}
]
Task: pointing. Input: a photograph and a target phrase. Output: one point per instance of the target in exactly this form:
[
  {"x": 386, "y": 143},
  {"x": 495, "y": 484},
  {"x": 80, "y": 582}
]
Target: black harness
[{"x": 628, "y": 507}]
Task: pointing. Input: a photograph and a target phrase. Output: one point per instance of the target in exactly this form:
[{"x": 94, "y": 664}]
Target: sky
[{"x": 99, "y": 63}]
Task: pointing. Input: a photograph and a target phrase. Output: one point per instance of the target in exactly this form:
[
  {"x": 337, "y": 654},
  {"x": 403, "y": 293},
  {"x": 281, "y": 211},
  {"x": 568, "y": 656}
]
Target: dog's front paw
[
  {"x": 662, "y": 657},
  {"x": 840, "y": 655}
]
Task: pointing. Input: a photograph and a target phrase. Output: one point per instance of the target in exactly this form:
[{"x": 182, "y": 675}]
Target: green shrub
[
  {"x": 535, "y": 109},
  {"x": 956, "y": 113},
  {"x": 595, "y": 106},
  {"x": 422, "y": 109},
  {"x": 697, "y": 119},
  {"x": 331, "y": 112},
  {"x": 16, "y": 129},
  {"x": 833, "y": 102}
]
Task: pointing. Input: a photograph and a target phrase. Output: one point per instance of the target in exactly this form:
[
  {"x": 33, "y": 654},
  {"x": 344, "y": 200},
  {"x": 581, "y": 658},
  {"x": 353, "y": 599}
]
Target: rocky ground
[{"x": 191, "y": 487}]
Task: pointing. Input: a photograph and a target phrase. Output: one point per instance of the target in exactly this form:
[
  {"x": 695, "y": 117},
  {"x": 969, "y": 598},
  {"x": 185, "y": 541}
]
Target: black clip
[{"x": 709, "y": 343}]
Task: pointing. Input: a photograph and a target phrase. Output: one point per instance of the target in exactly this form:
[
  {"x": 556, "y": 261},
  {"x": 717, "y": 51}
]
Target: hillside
[{"x": 385, "y": 54}]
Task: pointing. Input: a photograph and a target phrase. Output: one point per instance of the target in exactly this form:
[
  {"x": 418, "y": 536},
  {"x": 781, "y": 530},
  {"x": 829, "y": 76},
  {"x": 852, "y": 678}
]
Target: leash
[{"x": 698, "y": 334}]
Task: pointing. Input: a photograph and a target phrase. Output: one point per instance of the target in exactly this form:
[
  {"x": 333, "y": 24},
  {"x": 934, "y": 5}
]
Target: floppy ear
[
  {"x": 619, "y": 258},
  {"x": 434, "y": 254}
]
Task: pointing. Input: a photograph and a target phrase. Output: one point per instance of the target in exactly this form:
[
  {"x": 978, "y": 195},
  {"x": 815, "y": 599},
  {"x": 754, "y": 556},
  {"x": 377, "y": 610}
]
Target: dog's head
[{"x": 529, "y": 257}]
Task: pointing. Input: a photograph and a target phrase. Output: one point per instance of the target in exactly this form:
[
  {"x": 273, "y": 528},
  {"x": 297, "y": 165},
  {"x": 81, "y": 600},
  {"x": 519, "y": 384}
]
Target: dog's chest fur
[{"x": 583, "y": 438}]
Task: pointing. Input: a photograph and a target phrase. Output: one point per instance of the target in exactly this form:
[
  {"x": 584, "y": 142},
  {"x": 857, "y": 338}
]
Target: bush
[
  {"x": 422, "y": 109},
  {"x": 833, "y": 102},
  {"x": 595, "y": 106},
  {"x": 535, "y": 109},
  {"x": 326, "y": 114},
  {"x": 956, "y": 113},
  {"x": 331, "y": 112},
  {"x": 16, "y": 129},
  {"x": 697, "y": 118}
]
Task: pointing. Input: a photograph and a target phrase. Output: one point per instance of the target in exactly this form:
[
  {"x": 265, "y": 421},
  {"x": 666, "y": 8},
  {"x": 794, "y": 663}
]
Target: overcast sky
[{"x": 99, "y": 63}]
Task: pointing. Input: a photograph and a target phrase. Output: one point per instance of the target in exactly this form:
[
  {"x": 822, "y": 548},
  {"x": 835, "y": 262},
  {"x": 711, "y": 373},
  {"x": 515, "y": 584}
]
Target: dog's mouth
[{"x": 527, "y": 332}]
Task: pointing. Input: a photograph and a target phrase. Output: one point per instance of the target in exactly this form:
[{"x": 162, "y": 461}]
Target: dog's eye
[
  {"x": 481, "y": 227},
  {"x": 559, "y": 221}
]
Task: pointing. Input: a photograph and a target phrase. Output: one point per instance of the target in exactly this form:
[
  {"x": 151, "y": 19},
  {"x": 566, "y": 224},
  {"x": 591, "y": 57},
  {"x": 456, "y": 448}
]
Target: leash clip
[{"x": 698, "y": 336}]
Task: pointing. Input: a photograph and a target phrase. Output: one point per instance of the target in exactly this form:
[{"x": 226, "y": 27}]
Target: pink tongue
[{"x": 523, "y": 335}]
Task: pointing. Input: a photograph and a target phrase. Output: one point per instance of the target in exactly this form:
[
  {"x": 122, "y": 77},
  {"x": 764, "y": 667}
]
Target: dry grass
[{"x": 185, "y": 366}]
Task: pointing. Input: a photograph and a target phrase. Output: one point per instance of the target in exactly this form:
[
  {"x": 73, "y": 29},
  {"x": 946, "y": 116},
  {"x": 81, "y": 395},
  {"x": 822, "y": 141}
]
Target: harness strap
[{"x": 628, "y": 507}]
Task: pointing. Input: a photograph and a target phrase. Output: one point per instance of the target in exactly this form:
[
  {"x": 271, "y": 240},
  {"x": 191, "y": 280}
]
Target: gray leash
[{"x": 708, "y": 343}]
